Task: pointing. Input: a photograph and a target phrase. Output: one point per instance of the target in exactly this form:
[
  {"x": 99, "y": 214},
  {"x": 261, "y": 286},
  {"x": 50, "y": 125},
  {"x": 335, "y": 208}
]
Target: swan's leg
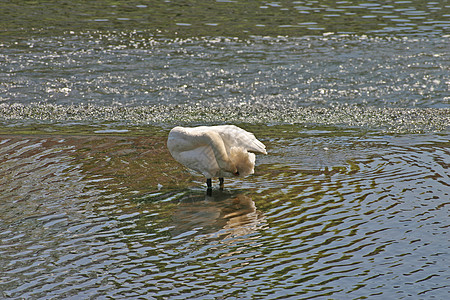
[
  {"x": 209, "y": 189},
  {"x": 221, "y": 183}
]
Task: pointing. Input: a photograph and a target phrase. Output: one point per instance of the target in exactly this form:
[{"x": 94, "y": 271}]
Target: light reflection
[{"x": 224, "y": 214}]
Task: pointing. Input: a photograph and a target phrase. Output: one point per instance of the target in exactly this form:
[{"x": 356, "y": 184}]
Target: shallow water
[
  {"x": 351, "y": 100},
  {"x": 345, "y": 215}
]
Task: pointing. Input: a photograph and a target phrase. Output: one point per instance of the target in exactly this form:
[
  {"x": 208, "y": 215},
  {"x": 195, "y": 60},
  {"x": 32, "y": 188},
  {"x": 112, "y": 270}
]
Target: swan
[{"x": 215, "y": 151}]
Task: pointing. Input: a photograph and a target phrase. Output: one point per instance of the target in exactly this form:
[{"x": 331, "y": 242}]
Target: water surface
[
  {"x": 229, "y": 18},
  {"x": 350, "y": 98},
  {"x": 324, "y": 215}
]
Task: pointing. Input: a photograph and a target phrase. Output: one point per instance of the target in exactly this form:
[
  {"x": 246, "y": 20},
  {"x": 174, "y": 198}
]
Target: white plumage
[{"x": 215, "y": 151}]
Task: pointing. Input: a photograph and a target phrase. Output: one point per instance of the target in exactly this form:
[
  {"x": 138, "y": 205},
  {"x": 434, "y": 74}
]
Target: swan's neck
[{"x": 243, "y": 160}]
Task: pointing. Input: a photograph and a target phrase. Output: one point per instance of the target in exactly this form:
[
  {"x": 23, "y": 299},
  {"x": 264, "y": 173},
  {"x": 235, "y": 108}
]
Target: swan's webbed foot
[{"x": 221, "y": 183}]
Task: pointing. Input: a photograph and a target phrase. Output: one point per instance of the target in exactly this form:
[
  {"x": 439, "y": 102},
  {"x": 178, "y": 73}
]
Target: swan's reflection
[{"x": 221, "y": 214}]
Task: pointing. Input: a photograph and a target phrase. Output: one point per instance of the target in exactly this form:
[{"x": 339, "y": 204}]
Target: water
[
  {"x": 230, "y": 18},
  {"x": 351, "y": 100},
  {"x": 325, "y": 215}
]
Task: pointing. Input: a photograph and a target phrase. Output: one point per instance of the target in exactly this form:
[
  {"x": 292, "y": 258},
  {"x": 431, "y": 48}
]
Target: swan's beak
[{"x": 236, "y": 173}]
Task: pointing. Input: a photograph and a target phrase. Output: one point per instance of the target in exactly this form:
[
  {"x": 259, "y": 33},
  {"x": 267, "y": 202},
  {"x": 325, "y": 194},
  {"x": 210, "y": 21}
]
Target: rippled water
[
  {"x": 230, "y": 17},
  {"x": 351, "y": 99},
  {"x": 325, "y": 215}
]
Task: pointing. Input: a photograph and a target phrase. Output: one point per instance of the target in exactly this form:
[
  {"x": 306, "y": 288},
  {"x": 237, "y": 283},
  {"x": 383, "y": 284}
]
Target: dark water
[
  {"x": 350, "y": 98},
  {"x": 229, "y": 17}
]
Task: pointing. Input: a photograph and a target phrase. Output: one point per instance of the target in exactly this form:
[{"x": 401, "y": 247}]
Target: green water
[{"x": 225, "y": 18}]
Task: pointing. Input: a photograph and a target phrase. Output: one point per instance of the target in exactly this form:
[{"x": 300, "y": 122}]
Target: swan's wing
[
  {"x": 193, "y": 147},
  {"x": 200, "y": 159},
  {"x": 234, "y": 136},
  {"x": 185, "y": 148}
]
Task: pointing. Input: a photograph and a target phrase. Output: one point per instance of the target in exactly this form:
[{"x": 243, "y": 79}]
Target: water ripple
[{"x": 368, "y": 219}]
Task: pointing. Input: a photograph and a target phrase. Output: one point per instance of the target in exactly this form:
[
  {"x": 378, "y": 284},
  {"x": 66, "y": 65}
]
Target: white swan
[{"x": 215, "y": 151}]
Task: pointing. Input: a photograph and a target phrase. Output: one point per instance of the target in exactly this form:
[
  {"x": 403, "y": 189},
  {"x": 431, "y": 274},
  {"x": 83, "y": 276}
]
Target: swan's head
[{"x": 243, "y": 160}]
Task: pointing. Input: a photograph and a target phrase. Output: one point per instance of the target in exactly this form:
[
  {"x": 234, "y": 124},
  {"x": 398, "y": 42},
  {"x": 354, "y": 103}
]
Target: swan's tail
[{"x": 238, "y": 137}]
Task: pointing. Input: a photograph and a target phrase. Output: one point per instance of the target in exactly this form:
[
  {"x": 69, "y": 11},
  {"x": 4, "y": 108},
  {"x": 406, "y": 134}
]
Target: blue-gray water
[{"x": 350, "y": 98}]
